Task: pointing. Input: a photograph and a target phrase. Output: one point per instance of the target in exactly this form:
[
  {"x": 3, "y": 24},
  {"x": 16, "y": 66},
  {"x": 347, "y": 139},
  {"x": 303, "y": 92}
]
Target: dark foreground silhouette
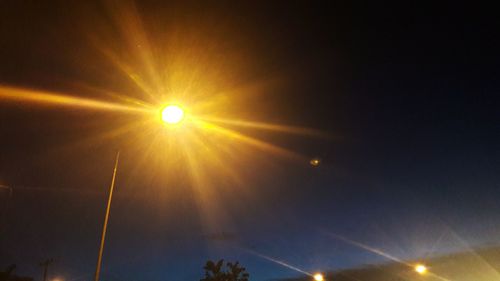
[
  {"x": 474, "y": 265},
  {"x": 8, "y": 275},
  {"x": 216, "y": 271}
]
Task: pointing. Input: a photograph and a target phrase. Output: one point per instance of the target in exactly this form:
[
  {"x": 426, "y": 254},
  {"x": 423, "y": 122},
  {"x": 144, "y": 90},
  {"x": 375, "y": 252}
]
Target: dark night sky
[{"x": 410, "y": 92}]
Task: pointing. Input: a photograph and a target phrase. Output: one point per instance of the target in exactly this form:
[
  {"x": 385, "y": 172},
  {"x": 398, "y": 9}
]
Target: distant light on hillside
[
  {"x": 315, "y": 162},
  {"x": 421, "y": 269},
  {"x": 318, "y": 277}
]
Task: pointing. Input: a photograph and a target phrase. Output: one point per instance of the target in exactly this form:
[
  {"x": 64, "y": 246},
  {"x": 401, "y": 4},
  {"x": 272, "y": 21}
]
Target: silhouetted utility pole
[
  {"x": 45, "y": 264},
  {"x": 106, "y": 218}
]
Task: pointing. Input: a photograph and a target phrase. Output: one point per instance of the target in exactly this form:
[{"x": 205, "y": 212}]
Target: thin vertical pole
[
  {"x": 45, "y": 267},
  {"x": 45, "y": 264},
  {"x": 106, "y": 218}
]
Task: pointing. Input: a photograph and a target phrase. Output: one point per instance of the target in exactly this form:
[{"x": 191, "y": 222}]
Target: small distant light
[
  {"x": 420, "y": 269},
  {"x": 315, "y": 162},
  {"x": 318, "y": 277}
]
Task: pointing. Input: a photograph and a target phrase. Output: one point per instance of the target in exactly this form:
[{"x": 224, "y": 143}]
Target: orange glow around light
[
  {"x": 318, "y": 277},
  {"x": 420, "y": 269},
  {"x": 218, "y": 143},
  {"x": 315, "y": 162}
]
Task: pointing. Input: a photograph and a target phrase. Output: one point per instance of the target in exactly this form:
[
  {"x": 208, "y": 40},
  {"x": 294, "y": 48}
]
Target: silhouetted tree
[{"x": 232, "y": 272}]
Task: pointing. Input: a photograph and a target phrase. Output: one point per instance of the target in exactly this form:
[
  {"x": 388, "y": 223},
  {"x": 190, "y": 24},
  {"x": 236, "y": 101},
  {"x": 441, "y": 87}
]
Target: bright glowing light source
[
  {"x": 172, "y": 114},
  {"x": 318, "y": 277},
  {"x": 315, "y": 162},
  {"x": 421, "y": 269}
]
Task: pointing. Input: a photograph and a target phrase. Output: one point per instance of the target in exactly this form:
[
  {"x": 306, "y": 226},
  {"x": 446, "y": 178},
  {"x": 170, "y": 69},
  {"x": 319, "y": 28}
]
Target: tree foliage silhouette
[{"x": 217, "y": 272}]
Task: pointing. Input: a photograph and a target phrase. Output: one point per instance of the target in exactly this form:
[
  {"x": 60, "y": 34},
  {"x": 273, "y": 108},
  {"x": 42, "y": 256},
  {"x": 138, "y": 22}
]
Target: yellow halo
[
  {"x": 172, "y": 114},
  {"x": 420, "y": 268},
  {"x": 318, "y": 277}
]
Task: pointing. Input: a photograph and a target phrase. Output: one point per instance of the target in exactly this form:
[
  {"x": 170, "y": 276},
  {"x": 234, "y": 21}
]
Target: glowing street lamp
[
  {"x": 318, "y": 277},
  {"x": 421, "y": 269},
  {"x": 172, "y": 114}
]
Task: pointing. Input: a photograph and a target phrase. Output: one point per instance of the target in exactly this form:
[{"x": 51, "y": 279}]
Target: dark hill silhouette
[{"x": 476, "y": 265}]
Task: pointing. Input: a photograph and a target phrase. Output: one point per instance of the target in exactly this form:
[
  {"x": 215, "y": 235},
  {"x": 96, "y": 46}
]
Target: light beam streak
[
  {"x": 282, "y": 263},
  {"x": 488, "y": 267},
  {"x": 56, "y": 99},
  {"x": 248, "y": 140},
  {"x": 368, "y": 248},
  {"x": 267, "y": 126}
]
